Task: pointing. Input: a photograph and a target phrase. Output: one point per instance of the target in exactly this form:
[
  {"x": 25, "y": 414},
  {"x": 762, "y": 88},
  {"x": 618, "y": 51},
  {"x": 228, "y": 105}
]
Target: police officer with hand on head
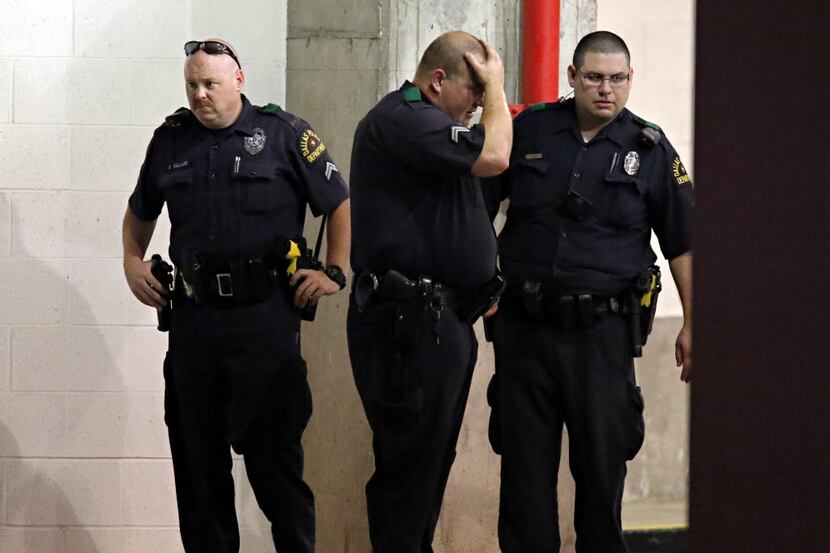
[
  {"x": 588, "y": 181},
  {"x": 236, "y": 179},
  {"x": 424, "y": 257}
]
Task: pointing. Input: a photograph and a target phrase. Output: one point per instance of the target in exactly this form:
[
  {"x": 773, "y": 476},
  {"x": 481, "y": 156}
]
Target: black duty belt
[
  {"x": 530, "y": 301},
  {"x": 396, "y": 287},
  {"x": 233, "y": 282}
]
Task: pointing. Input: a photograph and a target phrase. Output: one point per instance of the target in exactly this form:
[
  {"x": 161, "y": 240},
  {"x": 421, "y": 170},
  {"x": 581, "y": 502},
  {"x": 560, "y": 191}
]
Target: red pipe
[{"x": 540, "y": 53}]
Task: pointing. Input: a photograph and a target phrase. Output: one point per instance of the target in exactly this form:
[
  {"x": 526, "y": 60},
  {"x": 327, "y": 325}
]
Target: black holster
[{"x": 163, "y": 272}]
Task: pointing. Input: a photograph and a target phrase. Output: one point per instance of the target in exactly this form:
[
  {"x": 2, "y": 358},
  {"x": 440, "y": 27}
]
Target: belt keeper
[
  {"x": 586, "y": 310},
  {"x": 567, "y": 312}
]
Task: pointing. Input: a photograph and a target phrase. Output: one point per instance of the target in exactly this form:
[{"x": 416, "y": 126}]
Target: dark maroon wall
[{"x": 760, "y": 451}]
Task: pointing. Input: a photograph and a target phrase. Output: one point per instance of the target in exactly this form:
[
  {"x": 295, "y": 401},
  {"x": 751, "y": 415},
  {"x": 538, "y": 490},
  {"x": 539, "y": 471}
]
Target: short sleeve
[
  {"x": 428, "y": 140},
  {"x": 316, "y": 171},
  {"x": 671, "y": 204},
  {"x": 146, "y": 200}
]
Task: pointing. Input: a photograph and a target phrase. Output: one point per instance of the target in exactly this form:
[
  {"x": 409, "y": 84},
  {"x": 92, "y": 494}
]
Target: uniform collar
[
  {"x": 615, "y": 130},
  {"x": 408, "y": 85},
  {"x": 246, "y": 121}
]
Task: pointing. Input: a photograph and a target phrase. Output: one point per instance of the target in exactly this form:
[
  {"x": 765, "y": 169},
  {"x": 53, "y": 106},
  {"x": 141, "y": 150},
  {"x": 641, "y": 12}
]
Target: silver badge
[
  {"x": 255, "y": 144},
  {"x": 631, "y": 163}
]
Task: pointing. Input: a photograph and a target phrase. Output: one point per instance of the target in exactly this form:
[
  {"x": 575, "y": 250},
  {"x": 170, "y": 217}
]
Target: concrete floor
[{"x": 655, "y": 515}]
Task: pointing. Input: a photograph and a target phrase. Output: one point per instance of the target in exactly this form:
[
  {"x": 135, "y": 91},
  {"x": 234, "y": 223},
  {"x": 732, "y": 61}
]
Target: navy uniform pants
[
  {"x": 234, "y": 377},
  {"x": 414, "y": 401},
  {"x": 582, "y": 378}
]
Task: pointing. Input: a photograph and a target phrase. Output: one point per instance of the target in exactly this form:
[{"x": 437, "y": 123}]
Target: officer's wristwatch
[{"x": 335, "y": 273}]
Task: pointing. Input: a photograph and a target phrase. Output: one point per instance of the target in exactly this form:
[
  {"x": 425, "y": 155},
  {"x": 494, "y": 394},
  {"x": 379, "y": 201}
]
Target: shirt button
[
  {"x": 215, "y": 147},
  {"x": 585, "y": 148},
  {"x": 211, "y": 236},
  {"x": 564, "y": 234},
  {"x": 213, "y": 176},
  {"x": 576, "y": 174}
]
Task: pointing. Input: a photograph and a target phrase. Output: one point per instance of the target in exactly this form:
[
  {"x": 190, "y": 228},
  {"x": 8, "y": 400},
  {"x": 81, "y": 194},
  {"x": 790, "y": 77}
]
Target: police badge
[
  {"x": 255, "y": 144},
  {"x": 631, "y": 163}
]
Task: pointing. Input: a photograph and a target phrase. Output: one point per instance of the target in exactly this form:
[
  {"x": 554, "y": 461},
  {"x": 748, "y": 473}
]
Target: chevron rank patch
[
  {"x": 310, "y": 146},
  {"x": 330, "y": 169},
  {"x": 678, "y": 172},
  {"x": 455, "y": 131}
]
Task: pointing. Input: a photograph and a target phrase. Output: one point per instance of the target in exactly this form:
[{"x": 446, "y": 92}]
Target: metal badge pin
[
  {"x": 631, "y": 163},
  {"x": 254, "y": 144}
]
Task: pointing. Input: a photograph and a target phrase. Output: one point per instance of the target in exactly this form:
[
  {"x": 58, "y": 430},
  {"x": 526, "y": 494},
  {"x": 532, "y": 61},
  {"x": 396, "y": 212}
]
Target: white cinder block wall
[{"x": 84, "y": 464}]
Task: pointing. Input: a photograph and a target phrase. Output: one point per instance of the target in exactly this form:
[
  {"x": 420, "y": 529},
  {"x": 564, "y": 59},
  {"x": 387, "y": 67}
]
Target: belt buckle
[{"x": 226, "y": 279}]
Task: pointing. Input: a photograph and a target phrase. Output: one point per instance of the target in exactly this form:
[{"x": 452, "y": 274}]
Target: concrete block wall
[
  {"x": 342, "y": 58},
  {"x": 84, "y": 460}
]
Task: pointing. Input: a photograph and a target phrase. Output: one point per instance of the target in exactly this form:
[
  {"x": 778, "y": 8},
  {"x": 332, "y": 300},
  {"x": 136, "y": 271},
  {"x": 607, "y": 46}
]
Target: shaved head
[
  {"x": 447, "y": 52},
  {"x": 599, "y": 42}
]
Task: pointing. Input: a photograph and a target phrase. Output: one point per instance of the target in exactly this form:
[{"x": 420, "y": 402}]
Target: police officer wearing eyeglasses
[
  {"x": 588, "y": 182},
  {"x": 424, "y": 253},
  {"x": 236, "y": 179}
]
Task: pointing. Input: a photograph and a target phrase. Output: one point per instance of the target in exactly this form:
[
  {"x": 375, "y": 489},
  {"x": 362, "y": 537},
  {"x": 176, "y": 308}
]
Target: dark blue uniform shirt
[
  {"x": 235, "y": 191},
  {"x": 604, "y": 252},
  {"x": 416, "y": 207}
]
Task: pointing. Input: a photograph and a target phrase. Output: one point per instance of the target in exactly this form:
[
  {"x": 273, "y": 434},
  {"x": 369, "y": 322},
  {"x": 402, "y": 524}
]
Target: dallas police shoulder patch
[
  {"x": 310, "y": 146},
  {"x": 678, "y": 172}
]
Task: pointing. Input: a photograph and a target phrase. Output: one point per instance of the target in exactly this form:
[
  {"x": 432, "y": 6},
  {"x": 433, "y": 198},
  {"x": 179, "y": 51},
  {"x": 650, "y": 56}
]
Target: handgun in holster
[
  {"x": 482, "y": 299},
  {"x": 643, "y": 306},
  {"x": 163, "y": 272}
]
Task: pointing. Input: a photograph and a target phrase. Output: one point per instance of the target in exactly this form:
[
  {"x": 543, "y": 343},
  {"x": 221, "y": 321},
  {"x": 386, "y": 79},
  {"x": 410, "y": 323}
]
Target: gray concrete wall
[{"x": 342, "y": 57}]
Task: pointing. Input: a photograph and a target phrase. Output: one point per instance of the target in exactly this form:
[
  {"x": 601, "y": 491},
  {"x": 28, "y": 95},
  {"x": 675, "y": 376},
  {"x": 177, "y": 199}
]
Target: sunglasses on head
[{"x": 210, "y": 47}]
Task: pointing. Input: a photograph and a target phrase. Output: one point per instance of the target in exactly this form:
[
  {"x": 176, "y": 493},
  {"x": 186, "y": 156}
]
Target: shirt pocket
[
  {"x": 178, "y": 191},
  {"x": 530, "y": 184},
  {"x": 628, "y": 207},
  {"x": 258, "y": 186}
]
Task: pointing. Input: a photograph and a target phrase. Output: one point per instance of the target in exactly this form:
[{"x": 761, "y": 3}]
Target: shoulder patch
[
  {"x": 310, "y": 146},
  {"x": 270, "y": 109},
  {"x": 412, "y": 94},
  {"x": 177, "y": 118},
  {"x": 678, "y": 172}
]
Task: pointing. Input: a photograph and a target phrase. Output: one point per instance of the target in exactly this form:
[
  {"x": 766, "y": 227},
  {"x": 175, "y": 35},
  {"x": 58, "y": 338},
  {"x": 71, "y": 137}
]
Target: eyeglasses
[
  {"x": 210, "y": 47},
  {"x": 596, "y": 79}
]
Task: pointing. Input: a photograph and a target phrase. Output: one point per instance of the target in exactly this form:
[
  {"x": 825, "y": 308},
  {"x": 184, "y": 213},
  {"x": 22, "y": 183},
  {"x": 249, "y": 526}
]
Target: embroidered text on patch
[
  {"x": 311, "y": 147},
  {"x": 679, "y": 172}
]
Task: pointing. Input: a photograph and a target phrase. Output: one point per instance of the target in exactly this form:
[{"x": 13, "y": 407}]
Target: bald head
[
  {"x": 447, "y": 52},
  {"x": 213, "y": 84}
]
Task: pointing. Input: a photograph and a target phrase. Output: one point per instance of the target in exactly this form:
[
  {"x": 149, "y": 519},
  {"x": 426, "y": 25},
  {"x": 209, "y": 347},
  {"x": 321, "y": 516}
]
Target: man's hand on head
[{"x": 490, "y": 71}]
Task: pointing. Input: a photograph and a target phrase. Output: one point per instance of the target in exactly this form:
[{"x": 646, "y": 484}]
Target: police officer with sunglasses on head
[{"x": 236, "y": 179}]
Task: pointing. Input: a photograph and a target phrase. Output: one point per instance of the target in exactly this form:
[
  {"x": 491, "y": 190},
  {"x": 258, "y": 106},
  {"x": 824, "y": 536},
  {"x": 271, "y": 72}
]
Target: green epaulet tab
[
  {"x": 645, "y": 123},
  {"x": 412, "y": 94},
  {"x": 177, "y": 118},
  {"x": 270, "y": 109}
]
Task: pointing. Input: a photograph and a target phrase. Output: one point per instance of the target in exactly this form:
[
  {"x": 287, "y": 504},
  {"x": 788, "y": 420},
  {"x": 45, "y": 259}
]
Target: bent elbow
[{"x": 490, "y": 166}]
